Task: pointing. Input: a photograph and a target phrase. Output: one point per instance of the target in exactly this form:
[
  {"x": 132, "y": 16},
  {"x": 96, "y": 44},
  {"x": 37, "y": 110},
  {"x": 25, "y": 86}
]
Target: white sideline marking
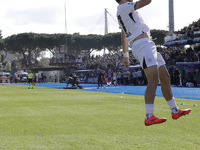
[{"x": 101, "y": 88}]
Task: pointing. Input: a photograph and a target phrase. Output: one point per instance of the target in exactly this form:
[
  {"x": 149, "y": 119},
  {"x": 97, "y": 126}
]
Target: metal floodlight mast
[
  {"x": 171, "y": 16},
  {"x": 65, "y": 24},
  {"x": 106, "y": 22}
]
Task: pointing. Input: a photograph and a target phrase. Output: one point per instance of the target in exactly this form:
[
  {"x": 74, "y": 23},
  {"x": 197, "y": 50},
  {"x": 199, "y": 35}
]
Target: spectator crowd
[
  {"x": 180, "y": 74},
  {"x": 188, "y": 32}
]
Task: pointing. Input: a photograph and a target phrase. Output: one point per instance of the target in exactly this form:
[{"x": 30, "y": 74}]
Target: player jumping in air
[{"x": 136, "y": 34}]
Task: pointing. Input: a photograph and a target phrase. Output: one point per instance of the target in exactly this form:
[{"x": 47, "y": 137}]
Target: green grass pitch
[{"x": 58, "y": 119}]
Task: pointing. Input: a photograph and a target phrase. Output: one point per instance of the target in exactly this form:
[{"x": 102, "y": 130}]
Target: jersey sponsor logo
[{"x": 130, "y": 3}]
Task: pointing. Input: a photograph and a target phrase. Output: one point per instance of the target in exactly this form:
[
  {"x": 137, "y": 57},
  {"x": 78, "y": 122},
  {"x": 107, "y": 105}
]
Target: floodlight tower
[
  {"x": 65, "y": 24},
  {"x": 106, "y": 21},
  {"x": 106, "y": 27},
  {"x": 171, "y": 16}
]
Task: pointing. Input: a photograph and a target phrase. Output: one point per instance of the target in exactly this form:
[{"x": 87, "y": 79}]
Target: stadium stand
[{"x": 187, "y": 35}]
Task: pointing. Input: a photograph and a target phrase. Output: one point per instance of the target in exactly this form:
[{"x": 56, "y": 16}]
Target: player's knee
[
  {"x": 167, "y": 77},
  {"x": 153, "y": 82}
]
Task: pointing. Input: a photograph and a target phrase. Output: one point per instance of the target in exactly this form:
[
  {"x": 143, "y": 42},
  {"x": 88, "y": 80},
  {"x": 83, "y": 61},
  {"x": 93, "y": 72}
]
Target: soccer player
[
  {"x": 100, "y": 79},
  {"x": 136, "y": 34},
  {"x": 110, "y": 74},
  {"x": 30, "y": 80}
]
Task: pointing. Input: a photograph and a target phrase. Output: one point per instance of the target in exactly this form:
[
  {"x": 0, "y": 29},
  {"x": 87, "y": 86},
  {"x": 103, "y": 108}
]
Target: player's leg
[
  {"x": 98, "y": 83},
  {"x": 32, "y": 83},
  {"x": 167, "y": 93},
  {"x": 150, "y": 93},
  {"x": 166, "y": 88},
  {"x": 101, "y": 83},
  {"x": 152, "y": 77},
  {"x": 29, "y": 84},
  {"x": 165, "y": 83},
  {"x": 145, "y": 51}
]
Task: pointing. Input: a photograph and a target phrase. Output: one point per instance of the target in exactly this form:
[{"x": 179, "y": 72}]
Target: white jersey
[{"x": 130, "y": 21}]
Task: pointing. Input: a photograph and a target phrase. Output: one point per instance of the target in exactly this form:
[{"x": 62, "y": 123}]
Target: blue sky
[{"x": 85, "y": 17}]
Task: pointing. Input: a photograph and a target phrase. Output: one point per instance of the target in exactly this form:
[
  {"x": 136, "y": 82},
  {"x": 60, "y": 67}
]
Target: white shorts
[{"x": 145, "y": 52}]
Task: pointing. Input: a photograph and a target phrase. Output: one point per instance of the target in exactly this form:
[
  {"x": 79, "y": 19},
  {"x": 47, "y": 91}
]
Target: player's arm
[
  {"x": 141, "y": 3},
  {"x": 125, "y": 49}
]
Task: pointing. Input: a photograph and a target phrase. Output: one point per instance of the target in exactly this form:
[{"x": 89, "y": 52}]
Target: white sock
[
  {"x": 149, "y": 110},
  {"x": 172, "y": 104}
]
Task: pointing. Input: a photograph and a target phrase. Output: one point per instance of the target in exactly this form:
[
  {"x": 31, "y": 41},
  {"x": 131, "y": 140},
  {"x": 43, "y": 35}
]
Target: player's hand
[{"x": 126, "y": 62}]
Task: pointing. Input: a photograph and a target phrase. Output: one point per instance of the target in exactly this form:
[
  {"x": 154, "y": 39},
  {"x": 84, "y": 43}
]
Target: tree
[
  {"x": 31, "y": 46},
  {"x": 112, "y": 42},
  {"x": 159, "y": 36},
  {"x": 86, "y": 43},
  {"x": 2, "y": 48},
  {"x": 51, "y": 41},
  {"x": 1, "y": 44},
  {"x": 44, "y": 62},
  {"x": 24, "y": 44},
  {"x": 8, "y": 66}
]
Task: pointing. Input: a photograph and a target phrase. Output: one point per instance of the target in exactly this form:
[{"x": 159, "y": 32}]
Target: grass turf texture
[{"x": 49, "y": 119}]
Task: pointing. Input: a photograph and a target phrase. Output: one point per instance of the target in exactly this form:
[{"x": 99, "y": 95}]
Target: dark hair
[{"x": 118, "y": 1}]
